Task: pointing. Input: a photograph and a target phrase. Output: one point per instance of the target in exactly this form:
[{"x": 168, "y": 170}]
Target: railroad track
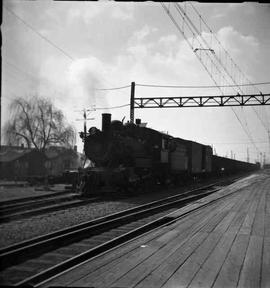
[
  {"x": 33, "y": 261},
  {"x": 12, "y": 210}
]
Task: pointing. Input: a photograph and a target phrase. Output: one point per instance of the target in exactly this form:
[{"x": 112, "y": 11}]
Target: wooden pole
[{"x": 132, "y": 96}]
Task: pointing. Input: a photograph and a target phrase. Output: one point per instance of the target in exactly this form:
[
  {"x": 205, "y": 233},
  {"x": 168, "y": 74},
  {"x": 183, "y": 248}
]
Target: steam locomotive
[{"x": 129, "y": 155}]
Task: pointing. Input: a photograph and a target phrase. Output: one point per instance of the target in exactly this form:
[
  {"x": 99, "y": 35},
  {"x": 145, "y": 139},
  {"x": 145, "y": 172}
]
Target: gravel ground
[
  {"x": 27, "y": 228},
  {"x": 13, "y": 192},
  {"x": 20, "y": 230}
]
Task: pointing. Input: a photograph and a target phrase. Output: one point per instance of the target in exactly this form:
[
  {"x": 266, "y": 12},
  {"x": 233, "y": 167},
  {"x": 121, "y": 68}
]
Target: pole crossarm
[{"x": 202, "y": 101}]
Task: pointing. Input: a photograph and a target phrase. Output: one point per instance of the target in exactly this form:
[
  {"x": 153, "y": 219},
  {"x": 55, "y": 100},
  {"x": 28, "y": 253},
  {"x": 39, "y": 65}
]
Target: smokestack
[
  {"x": 106, "y": 121},
  {"x": 138, "y": 121}
]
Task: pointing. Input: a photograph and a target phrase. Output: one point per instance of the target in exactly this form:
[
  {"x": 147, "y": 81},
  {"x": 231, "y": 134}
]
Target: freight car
[
  {"x": 225, "y": 166},
  {"x": 130, "y": 155}
]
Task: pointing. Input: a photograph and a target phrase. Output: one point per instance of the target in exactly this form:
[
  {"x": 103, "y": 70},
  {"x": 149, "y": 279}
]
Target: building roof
[
  {"x": 11, "y": 155},
  {"x": 55, "y": 152},
  {"x": 13, "y": 148}
]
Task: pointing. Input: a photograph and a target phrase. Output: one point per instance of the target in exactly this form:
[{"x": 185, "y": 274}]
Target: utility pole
[
  {"x": 85, "y": 115},
  {"x": 269, "y": 141},
  {"x": 132, "y": 96},
  {"x": 84, "y": 123},
  {"x": 0, "y": 116},
  {"x": 247, "y": 155}
]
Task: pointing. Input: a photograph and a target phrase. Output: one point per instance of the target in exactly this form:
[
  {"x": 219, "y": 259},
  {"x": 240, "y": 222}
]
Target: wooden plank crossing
[{"x": 223, "y": 244}]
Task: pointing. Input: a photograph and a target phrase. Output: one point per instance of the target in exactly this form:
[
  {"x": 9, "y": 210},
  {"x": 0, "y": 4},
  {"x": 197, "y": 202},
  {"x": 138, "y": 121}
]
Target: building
[
  {"x": 20, "y": 163},
  {"x": 61, "y": 159}
]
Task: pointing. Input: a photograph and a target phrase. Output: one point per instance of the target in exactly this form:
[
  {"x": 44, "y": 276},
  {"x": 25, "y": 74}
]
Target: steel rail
[
  {"x": 55, "y": 271},
  {"x": 41, "y": 206},
  {"x": 44, "y": 279},
  {"x": 9, "y": 208},
  {"x": 37, "y": 240},
  {"x": 19, "y": 201},
  {"x": 12, "y": 257}
]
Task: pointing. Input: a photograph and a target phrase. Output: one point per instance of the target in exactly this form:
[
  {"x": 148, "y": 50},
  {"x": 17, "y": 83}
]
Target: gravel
[
  {"x": 13, "y": 192},
  {"x": 23, "y": 229},
  {"x": 16, "y": 231}
]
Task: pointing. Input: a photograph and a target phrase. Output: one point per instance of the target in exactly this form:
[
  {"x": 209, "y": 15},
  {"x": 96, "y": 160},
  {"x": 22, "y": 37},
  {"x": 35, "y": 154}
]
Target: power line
[
  {"x": 10, "y": 98},
  {"x": 46, "y": 82},
  {"x": 232, "y": 62},
  {"x": 11, "y": 75},
  {"x": 63, "y": 52},
  {"x": 57, "y": 47},
  {"x": 32, "y": 76},
  {"x": 210, "y": 86},
  {"x": 114, "y": 88},
  {"x": 195, "y": 32},
  {"x": 40, "y": 35},
  {"x": 19, "y": 69},
  {"x": 226, "y": 52},
  {"x": 114, "y": 107},
  {"x": 218, "y": 59},
  {"x": 239, "y": 143},
  {"x": 43, "y": 79}
]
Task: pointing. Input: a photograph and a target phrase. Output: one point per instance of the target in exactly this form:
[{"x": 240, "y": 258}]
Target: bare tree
[{"x": 39, "y": 124}]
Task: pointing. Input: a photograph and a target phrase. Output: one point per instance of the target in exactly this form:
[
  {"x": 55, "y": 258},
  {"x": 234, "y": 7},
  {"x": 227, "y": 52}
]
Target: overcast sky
[{"x": 103, "y": 45}]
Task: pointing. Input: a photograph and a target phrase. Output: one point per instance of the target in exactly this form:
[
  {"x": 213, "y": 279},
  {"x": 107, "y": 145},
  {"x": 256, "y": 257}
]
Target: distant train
[{"x": 129, "y": 155}]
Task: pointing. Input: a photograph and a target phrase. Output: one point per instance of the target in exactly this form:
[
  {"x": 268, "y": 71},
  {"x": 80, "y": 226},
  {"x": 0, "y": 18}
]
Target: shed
[
  {"x": 21, "y": 163},
  {"x": 60, "y": 159}
]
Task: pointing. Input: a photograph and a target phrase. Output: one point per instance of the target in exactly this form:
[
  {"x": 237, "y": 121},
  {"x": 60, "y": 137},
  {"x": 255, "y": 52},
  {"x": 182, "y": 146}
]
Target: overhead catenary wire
[
  {"x": 40, "y": 35},
  {"x": 65, "y": 54},
  {"x": 70, "y": 57},
  {"x": 236, "y": 143},
  {"x": 27, "y": 74},
  {"x": 232, "y": 61},
  {"x": 192, "y": 27},
  {"x": 113, "y": 88},
  {"x": 199, "y": 86},
  {"x": 32, "y": 77},
  {"x": 10, "y": 75},
  {"x": 140, "y": 84},
  {"x": 218, "y": 59},
  {"x": 113, "y": 107},
  {"x": 226, "y": 52},
  {"x": 209, "y": 52}
]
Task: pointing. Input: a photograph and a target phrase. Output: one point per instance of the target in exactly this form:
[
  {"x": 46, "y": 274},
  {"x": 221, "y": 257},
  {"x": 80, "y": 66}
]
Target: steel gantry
[
  {"x": 195, "y": 101},
  {"x": 202, "y": 101}
]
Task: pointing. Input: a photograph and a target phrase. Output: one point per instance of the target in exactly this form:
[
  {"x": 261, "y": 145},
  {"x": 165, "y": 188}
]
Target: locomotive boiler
[{"x": 130, "y": 155}]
